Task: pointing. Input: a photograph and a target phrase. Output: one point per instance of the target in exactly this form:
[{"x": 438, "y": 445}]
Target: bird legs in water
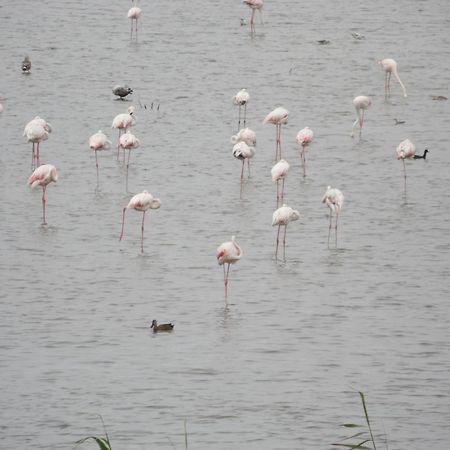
[
  {"x": 35, "y": 156},
  {"x": 284, "y": 242},
  {"x": 335, "y": 228},
  {"x": 43, "y": 205},
  {"x": 225, "y": 278},
  {"x": 128, "y": 165},
  {"x": 142, "y": 228},
  {"x": 278, "y": 142},
  {"x": 280, "y": 195},
  {"x": 136, "y": 28},
  {"x": 118, "y": 143},
  {"x": 240, "y": 114},
  {"x": 360, "y": 121},
  {"x": 242, "y": 173},
  {"x": 303, "y": 159},
  {"x": 387, "y": 84}
]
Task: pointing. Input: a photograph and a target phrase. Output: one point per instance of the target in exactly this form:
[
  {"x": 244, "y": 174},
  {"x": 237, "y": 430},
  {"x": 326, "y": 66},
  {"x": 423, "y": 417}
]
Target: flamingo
[
  {"x": 241, "y": 99},
  {"x": 390, "y": 67},
  {"x": 277, "y": 117},
  {"x": 141, "y": 202},
  {"x": 228, "y": 253},
  {"x": 245, "y": 135},
  {"x": 361, "y": 104},
  {"x": 405, "y": 150},
  {"x": 36, "y": 131},
  {"x": 42, "y": 176},
  {"x": 334, "y": 199},
  {"x": 254, "y": 5},
  {"x": 279, "y": 172},
  {"x": 304, "y": 137},
  {"x": 243, "y": 152},
  {"x": 128, "y": 142},
  {"x": 122, "y": 122},
  {"x": 98, "y": 141},
  {"x": 281, "y": 217},
  {"x": 133, "y": 14},
  {"x": 26, "y": 65}
]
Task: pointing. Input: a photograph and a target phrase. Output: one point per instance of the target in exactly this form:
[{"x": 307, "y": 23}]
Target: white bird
[
  {"x": 244, "y": 153},
  {"x": 36, "y": 131},
  {"x": 405, "y": 150},
  {"x": 281, "y": 217},
  {"x": 279, "y": 172},
  {"x": 133, "y": 14},
  {"x": 246, "y": 135},
  {"x": 304, "y": 138},
  {"x": 97, "y": 142},
  {"x": 361, "y": 103},
  {"x": 226, "y": 254},
  {"x": 334, "y": 199},
  {"x": 241, "y": 99},
  {"x": 43, "y": 176},
  {"x": 279, "y": 116},
  {"x": 254, "y": 5},
  {"x": 122, "y": 122},
  {"x": 358, "y": 36},
  {"x": 128, "y": 142},
  {"x": 390, "y": 67}
]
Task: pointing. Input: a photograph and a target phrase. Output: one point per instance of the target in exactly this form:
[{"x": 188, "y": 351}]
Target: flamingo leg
[
  {"x": 278, "y": 240},
  {"x": 389, "y": 83},
  {"x": 32, "y": 156},
  {"x": 43, "y": 205},
  {"x": 226, "y": 280},
  {"x": 123, "y": 223},
  {"x": 131, "y": 29},
  {"x": 239, "y": 118},
  {"x": 302, "y": 158},
  {"x": 404, "y": 172},
  {"x": 37, "y": 155},
  {"x": 128, "y": 164},
  {"x": 118, "y": 144},
  {"x": 278, "y": 191},
  {"x": 252, "y": 21},
  {"x": 282, "y": 190},
  {"x": 96, "y": 164},
  {"x": 248, "y": 167},
  {"x": 284, "y": 243},
  {"x": 142, "y": 232},
  {"x": 245, "y": 114},
  {"x": 385, "y": 85},
  {"x": 329, "y": 228},
  {"x": 336, "y": 228}
]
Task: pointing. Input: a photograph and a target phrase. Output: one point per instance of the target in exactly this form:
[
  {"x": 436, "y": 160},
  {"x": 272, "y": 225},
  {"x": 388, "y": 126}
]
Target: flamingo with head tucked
[
  {"x": 279, "y": 172},
  {"x": 279, "y": 116},
  {"x": 122, "y": 122},
  {"x": 226, "y": 254},
  {"x": 241, "y": 99},
  {"x": 133, "y": 14},
  {"x": 282, "y": 217},
  {"x": 405, "y": 150},
  {"x": 36, "y": 131},
  {"x": 304, "y": 138},
  {"x": 334, "y": 199},
  {"x": 97, "y": 142}
]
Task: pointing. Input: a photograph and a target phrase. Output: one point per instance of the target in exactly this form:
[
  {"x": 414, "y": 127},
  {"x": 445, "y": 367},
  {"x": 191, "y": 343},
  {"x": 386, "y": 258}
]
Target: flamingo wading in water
[
  {"x": 245, "y": 135},
  {"x": 390, "y": 67},
  {"x": 361, "y": 103},
  {"x": 241, "y": 99},
  {"x": 304, "y": 137},
  {"x": 405, "y": 150},
  {"x": 226, "y": 254},
  {"x": 243, "y": 152},
  {"x": 36, "y": 131},
  {"x": 141, "y": 202},
  {"x": 254, "y": 5},
  {"x": 279, "y": 172},
  {"x": 279, "y": 116},
  {"x": 133, "y": 14},
  {"x": 281, "y": 217},
  {"x": 334, "y": 199},
  {"x": 128, "y": 142},
  {"x": 98, "y": 141},
  {"x": 122, "y": 122},
  {"x": 43, "y": 176}
]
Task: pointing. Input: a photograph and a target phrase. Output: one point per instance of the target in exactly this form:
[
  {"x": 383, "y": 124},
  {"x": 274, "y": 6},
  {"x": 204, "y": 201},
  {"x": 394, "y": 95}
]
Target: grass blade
[
  {"x": 102, "y": 443},
  {"x": 367, "y": 419}
]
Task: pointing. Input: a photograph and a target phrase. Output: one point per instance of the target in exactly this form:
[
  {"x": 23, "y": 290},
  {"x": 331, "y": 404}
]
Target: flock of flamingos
[{"x": 244, "y": 142}]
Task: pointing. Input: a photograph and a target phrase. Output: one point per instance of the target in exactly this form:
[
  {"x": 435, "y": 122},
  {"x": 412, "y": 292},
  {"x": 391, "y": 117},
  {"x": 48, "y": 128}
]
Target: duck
[
  {"x": 424, "y": 156},
  {"x": 162, "y": 327}
]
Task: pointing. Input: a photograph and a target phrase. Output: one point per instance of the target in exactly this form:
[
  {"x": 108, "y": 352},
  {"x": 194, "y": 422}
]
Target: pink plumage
[
  {"x": 43, "y": 176},
  {"x": 334, "y": 199},
  {"x": 279, "y": 116},
  {"x": 226, "y": 254}
]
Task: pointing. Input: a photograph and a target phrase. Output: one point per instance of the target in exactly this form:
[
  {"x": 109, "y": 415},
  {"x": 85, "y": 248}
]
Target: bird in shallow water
[
  {"x": 162, "y": 327},
  {"x": 122, "y": 91},
  {"x": 424, "y": 156},
  {"x": 26, "y": 65},
  {"x": 323, "y": 42},
  {"x": 358, "y": 36},
  {"x": 399, "y": 122}
]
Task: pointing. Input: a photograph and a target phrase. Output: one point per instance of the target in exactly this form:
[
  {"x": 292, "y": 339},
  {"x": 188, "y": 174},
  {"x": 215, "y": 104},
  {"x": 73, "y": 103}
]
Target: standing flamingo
[
  {"x": 42, "y": 176},
  {"x": 141, "y": 202},
  {"x": 228, "y": 253},
  {"x": 245, "y": 135},
  {"x": 279, "y": 172},
  {"x": 282, "y": 216},
  {"x": 241, "y": 99},
  {"x": 133, "y": 14},
  {"x": 390, "y": 67},
  {"x": 361, "y": 104},
  {"x": 304, "y": 137},
  {"x": 254, "y": 5},
  {"x": 128, "y": 142},
  {"x": 405, "y": 150},
  {"x": 334, "y": 199},
  {"x": 98, "y": 141},
  {"x": 122, "y": 122},
  {"x": 36, "y": 131},
  {"x": 279, "y": 116},
  {"x": 243, "y": 152}
]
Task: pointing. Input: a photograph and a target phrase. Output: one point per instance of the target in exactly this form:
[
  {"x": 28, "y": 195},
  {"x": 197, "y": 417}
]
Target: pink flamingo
[
  {"x": 245, "y": 135},
  {"x": 390, "y": 67},
  {"x": 128, "y": 142},
  {"x": 281, "y": 217},
  {"x": 133, "y": 14},
  {"x": 98, "y": 141},
  {"x": 304, "y": 138},
  {"x": 241, "y": 99},
  {"x": 141, "y": 202},
  {"x": 36, "y": 131},
  {"x": 228, "y": 253},
  {"x": 42, "y": 176},
  {"x": 406, "y": 150},
  {"x": 279, "y": 116},
  {"x": 279, "y": 172},
  {"x": 334, "y": 199},
  {"x": 122, "y": 122},
  {"x": 243, "y": 152},
  {"x": 254, "y": 5},
  {"x": 361, "y": 104}
]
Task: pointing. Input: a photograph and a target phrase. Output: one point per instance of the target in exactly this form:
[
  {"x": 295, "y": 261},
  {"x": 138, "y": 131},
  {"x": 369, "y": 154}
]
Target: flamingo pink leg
[
  {"x": 245, "y": 114},
  {"x": 128, "y": 164},
  {"x": 123, "y": 223},
  {"x": 284, "y": 243},
  {"x": 43, "y": 205},
  {"x": 278, "y": 240},
  {"x": 335, "y": 228},
  {"x": 118, "y": 144},
  {"x": 252, "y": 21},
  {"x": 96, "y": 164},
  {"x": 37, "y": 155},
  {"x": 329, "y": 228},
  {"x": 142, "y": 232},
  {"x": 282, "y": 190}
]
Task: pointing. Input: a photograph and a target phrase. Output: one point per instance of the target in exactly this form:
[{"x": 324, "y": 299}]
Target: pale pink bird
[
  {"x": 241, "y": 99},
  {"x": 245, "y": 135},
  {"x": 279, "y": 172},
  {"x": 122, "y": 122},
  {"x": 36, "y": 131},
  {"x": 279, "y": 116},
  {"x": 141, "y": 202},
  {"x": 42, "y": 176},
  {"x": 304, "y": 138},
  {"x": 281, "y": 217},
  {"x": 361, "y": 103},
  {"x": 244, "y": 153},
  {"x": 128, "y": 142},
  {"x": 226, "y": 254},
  {"x": 390, "y": 67},
  {"x": 133, "y": 14},
  {"x": 334, "y": 199},
  {"x": 254, "y": 5},
  {"x": 97, "y": 142},
  {"x": 406, "y": 150}
]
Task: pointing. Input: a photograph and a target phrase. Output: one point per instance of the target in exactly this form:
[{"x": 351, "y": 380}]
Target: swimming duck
[{"x": 162, "y": 327}]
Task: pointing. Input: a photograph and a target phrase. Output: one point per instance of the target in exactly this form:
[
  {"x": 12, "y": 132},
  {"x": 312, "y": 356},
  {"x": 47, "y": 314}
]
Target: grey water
[{"x": 280, "y": 365}]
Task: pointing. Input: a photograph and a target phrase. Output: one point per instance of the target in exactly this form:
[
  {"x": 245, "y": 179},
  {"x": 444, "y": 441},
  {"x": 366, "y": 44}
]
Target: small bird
[
  {"x": 161, "y": 327},
  {"x": 405, "y": 150},
  {"x": 43, "y": 176},
  {"x": 279, "y": 172},
  {"x": 245, "y": 135},
  {"x": 228, "y": 253},
  {"x": 122, "y": 122},
  {"x": 304, "y": 138},
  {"x": 254, "y": 5},
  {"x": 26, "y": 65},
  {"x": 97, "y": 142},
  {"x": 141, "y": 202},
  {"x": 439, "y": 97},
  {"x": 122, "y": 91},
  {"x": 281, "y": 217},
  {"x": 323, "y": 42},
  {"x": 334, "y": 199},
  {"x": 399, "y": 122},
  {"x": 361, "y": 103},
  {"x": 390, "y": 67},
  {"x": 241, "y": 99},
  {"x": 424, "y": 156},
  {"x": 133, "y": 14},
  {"x": 279, "y": 116},
  {"x": 243, "y": 22},
  {"x": 36, "y": 131},
  {"x": 358, "y": 36},
  {"x": 128, "y": 142}
]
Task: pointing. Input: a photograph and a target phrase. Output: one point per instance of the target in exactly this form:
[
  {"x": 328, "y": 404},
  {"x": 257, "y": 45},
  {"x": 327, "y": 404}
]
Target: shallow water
[{"x": 280, "y": 366}]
